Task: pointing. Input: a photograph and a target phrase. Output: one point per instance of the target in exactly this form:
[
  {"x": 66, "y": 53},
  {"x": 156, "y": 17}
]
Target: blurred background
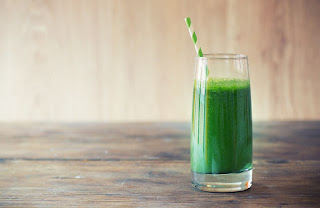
[{"x": 125, "y": 60}]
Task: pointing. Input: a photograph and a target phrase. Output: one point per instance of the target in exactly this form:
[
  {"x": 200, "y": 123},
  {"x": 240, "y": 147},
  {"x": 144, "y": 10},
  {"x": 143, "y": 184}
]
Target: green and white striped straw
[{"x": 193, "y": 36}]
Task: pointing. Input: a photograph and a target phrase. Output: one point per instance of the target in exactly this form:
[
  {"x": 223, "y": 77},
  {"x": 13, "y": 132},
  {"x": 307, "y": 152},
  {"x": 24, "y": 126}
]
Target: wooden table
[{"x": 147, "y": 165}]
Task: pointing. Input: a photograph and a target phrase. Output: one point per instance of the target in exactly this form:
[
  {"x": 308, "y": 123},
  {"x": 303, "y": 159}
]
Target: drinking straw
[
  {"x": 193, "y": 37},
  {"x": 200, "y": 54}
]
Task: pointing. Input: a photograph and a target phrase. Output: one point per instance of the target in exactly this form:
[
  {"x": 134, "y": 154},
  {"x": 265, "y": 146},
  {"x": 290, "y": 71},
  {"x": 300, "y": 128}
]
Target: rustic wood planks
[{"x": 147, "y": 165}]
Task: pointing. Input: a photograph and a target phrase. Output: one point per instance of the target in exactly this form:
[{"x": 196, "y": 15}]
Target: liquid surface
[{"x": 221, "y": 137}]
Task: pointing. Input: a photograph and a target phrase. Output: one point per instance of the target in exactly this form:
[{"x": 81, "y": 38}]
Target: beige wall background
[{"x": 125, "y": 60}]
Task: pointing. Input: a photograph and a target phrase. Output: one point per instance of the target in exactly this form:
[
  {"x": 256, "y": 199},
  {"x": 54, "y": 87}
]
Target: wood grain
[
  {"x": 98, "y": 141},
  {"x": 120, "y": 60},
  {"x": 150, "y": 184},
  {"x": 147, "y": 165}
]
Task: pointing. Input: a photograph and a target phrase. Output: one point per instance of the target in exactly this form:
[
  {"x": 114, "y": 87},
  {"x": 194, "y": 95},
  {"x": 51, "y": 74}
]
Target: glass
[{"x": 221, "y": 131}]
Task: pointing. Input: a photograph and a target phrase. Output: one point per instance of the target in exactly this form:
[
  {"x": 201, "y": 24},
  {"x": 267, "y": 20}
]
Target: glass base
[{"x": 231, "y": 182}]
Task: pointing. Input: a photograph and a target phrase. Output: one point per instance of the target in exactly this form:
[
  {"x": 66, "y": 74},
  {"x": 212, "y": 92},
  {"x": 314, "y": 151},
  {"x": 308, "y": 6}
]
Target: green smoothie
[{"x": 221, "y": 137}]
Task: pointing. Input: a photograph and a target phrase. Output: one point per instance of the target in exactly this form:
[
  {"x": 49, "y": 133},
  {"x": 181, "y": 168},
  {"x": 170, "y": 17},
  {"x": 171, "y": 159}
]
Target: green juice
[{"x": 221, "y": 135}]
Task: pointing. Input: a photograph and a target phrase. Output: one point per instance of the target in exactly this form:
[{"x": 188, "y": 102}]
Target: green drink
[
  {"x": 226, "y": 144},
  {"x": 221, "y": 133}
]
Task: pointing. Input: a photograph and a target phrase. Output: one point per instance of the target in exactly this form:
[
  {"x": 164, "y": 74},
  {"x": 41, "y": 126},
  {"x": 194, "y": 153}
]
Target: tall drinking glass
[{"x": 221, "y": 132}]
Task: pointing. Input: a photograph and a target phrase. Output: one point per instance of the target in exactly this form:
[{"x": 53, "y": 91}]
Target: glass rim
[{"x": 223, "y": 56}]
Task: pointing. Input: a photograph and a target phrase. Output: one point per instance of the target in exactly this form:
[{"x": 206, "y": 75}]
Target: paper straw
[{"x": 193, "y": 37}]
